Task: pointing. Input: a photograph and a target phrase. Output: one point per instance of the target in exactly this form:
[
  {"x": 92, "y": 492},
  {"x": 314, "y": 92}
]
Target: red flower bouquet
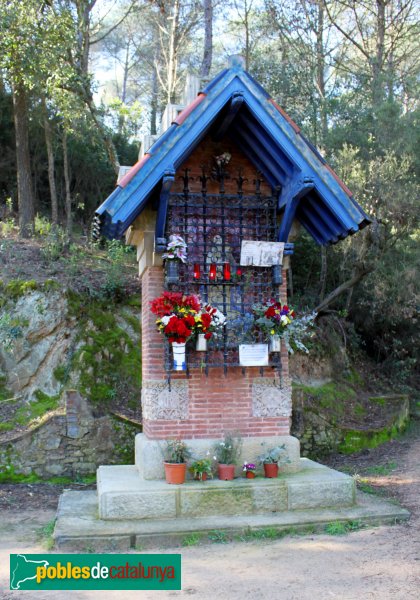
[
  {"x": 210, "y": 321},
  {"x": 180, "y": 317},
  {"x": 176, "y": 315},
  {"x": 273, "y": 318}
]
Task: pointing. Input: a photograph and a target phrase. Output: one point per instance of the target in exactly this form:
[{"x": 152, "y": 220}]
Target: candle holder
[
  {"x": 226, "y": 272},
  {"x": 196, "y": 272},
  {"x": 212, "y": 272}
]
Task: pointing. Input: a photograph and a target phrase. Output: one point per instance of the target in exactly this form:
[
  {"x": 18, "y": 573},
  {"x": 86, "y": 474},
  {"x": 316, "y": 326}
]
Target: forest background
[{"x": 82, "y": 80}]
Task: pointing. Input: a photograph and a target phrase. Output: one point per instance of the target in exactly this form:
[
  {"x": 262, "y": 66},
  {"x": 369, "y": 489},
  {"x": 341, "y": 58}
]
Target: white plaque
[
  {"x": 253, "y": 355},
  {"x": 261, "y": 254}
]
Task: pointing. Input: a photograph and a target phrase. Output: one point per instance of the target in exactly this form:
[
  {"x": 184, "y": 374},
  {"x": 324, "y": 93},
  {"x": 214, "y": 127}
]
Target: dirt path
[{"x": 381, "y": 563}]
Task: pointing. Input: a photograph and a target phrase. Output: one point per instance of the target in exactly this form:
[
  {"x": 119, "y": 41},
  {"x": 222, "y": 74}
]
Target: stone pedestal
[{"x": 123, "y": 495}]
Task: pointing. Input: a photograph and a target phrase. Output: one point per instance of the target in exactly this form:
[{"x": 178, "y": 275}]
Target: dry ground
[{"x": 380, "y": 563}]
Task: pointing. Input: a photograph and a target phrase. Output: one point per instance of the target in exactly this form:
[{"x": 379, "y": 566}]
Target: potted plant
[
  {"x": 272, "y": 318},
  {"x": 176, "y": 252},
  {"x": 249, "y": 470},
  {"x": 226, "y": 453},
  {"x": 176, "y": 453},
  {"x": 270, "y": 459},
  {"x": 201, "y": 469}
]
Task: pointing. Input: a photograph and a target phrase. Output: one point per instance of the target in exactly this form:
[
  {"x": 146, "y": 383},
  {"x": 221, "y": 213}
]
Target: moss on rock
[
  {"x": 5, "y": 393},
  {"x": 35, "y": 410},
  {"x": 125, "y": 431},
  {"x": 108, "y": 361},
  {"x": 335, "y": 417},
  {"x": 330, "y": 397}
]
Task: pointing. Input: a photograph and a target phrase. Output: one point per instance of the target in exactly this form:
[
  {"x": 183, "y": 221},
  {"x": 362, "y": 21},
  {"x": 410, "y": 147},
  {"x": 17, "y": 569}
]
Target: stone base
[
  {"x": 149, "y": 453},
  {"x": 78, "y": 528},
  {"x": 123, "y": 495}
]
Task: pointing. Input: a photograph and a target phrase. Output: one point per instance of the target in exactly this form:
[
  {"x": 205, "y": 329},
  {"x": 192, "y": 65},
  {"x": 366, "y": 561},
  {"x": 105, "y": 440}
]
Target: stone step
[
  {"x": 78, "y": 528},
  {"x": 123, "y": 495}
]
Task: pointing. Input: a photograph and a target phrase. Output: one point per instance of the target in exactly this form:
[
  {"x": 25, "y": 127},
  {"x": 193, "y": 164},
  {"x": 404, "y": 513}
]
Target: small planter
[
  {"x": 250, "y": 475},
  {"x": 201, "y": 345},
  {"x": 275, "y": 343},
  {"x": 201, "y": 477},
  {"x": 271, "y": 470},
  {"x": 171, "y": 271},
  {"x": 175, "y": 472},
  {"x": 226, "y": 472},
  {"x": 178, "y": 349}
]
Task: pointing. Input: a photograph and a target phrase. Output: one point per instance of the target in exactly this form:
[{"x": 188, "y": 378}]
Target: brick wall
[
  {"x": 204, "y": 155},
  {"x": 217, "y": 402}
]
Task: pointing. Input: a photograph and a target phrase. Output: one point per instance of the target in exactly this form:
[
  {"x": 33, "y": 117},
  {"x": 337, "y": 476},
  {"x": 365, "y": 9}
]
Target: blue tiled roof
[{"x": 267, "y": 136}]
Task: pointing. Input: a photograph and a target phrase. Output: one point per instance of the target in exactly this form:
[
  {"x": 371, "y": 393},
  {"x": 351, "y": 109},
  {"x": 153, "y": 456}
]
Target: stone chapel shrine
[{"x": 226, "y": 182}]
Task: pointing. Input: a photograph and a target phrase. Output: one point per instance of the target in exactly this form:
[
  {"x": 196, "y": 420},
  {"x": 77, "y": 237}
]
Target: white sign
[
  {"x": 261, "y": 254},
  {"x": 253, "y": 355}
]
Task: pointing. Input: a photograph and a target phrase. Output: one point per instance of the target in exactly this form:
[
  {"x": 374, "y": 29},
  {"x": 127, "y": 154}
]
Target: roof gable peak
[{"x": 236, "y": 105}]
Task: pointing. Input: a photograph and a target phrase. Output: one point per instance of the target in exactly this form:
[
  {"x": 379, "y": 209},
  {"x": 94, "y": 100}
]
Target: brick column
[{"x": 152, "y": 341}]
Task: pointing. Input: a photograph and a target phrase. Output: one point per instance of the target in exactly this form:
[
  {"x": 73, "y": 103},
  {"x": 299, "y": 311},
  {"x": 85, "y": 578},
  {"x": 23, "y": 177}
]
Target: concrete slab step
[
  {"x": 79, "y": 529},
  {"x": 123, "y": 495}
]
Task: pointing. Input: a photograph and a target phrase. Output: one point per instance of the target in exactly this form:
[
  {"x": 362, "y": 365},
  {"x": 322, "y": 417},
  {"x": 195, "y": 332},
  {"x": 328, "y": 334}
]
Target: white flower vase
[
  {"x": 171, "y": 271},
  {"x": 178, "y": 350},
  {"x": 275, "y": 343},
  {"x": 201, "y": 345}
]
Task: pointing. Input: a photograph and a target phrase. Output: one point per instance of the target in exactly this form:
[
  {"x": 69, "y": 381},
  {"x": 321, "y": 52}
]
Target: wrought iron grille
[{"x": 213, "y": 226}]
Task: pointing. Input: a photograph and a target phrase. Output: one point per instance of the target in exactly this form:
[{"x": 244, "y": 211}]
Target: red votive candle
[
  {"x": 196, "y": 273},
  {"x": 212, "y": 272},
  {"x": 226, "y": 271},
  {"x": 239, "y": 272}
]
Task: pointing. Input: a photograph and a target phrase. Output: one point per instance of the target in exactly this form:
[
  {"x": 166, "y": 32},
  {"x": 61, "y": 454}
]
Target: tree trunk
[
  {"x": 247, "y": 38},
  {"x": 126, "y": 71},
  {"x": 69, "y": 220},
  {"x": 84, "y": 8},
  {"x": 290, "y": 282},
  {"x": 106, "y": 138},
  {"x": 26, "y": 199},
  {"x": 51, "y": 166},
  {"x": 377, "y": 67},
  {"x": 323, "y": 275},
  {"x": 320, "y": 74},
  {"x": 358, "y": 275},
  {"x": 172, "y": 64},
  {"x": 208, "y": 39},
  {"x": 154, "y": 101}
]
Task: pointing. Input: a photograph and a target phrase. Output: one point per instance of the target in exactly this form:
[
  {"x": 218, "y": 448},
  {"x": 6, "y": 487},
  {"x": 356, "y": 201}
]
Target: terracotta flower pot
[
  {"x": 202, "y": 478},
  {"x": 250, "y": 475},
  {"x": 175, "y": 472},
  {"x": 226, "y": 472},
  {"x": 271, "y": 470}
]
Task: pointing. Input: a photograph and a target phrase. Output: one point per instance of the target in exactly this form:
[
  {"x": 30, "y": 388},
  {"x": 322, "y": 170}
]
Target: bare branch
[
  {"x": 346, "y": 35},
  {"x": 114, "y": 27}
]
